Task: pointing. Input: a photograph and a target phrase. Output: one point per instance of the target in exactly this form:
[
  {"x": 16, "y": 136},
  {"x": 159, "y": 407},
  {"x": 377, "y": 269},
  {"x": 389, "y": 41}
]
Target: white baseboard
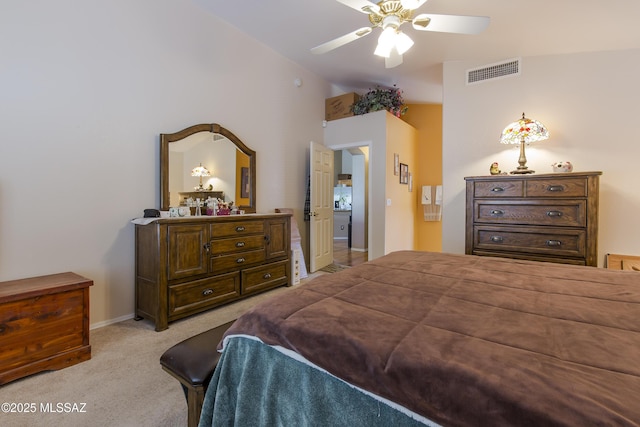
[
  {"x": 359, "y": 249},
  {"x": 111, "y": 321}
]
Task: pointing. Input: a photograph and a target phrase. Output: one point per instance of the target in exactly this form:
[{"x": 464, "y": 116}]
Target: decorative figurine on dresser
[
  {"x": 189, "y": 264},
  {"x": 540, "y": 217}
]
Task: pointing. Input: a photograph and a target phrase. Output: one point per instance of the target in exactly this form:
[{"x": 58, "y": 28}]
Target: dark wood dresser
[
  {"x": 44, "y": 324},
  {"x": 188, "y": 265},
  {"x": 540, "y": 217}
]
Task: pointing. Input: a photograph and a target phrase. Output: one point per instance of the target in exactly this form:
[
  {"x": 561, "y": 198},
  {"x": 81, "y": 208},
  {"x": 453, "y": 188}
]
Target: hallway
[{"x": 343, "y": 255}]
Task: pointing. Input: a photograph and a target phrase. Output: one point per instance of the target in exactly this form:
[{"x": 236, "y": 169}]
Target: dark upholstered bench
[{"x": 192, "y": 362}]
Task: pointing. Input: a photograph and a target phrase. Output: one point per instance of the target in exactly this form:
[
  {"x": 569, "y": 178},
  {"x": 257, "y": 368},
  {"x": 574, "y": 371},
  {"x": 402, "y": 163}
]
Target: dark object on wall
[
  {"x": 151, "y": 213},
  {"x": 244, "y": 179},
  {"x": 404, "y": 173}
]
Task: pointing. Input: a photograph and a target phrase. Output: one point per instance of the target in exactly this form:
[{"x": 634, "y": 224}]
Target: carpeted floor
[{"x": 123, "y": 384}]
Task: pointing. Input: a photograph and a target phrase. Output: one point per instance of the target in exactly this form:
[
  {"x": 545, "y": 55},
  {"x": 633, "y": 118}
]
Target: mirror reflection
[
  {"x": 206, "y": 161},
  {"x": 202, "y": 166}
]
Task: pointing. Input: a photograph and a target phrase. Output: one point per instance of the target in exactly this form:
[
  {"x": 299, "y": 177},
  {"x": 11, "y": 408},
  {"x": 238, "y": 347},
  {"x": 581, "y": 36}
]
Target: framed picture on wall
[
  {"x": 396, "y": 164},
  {"x": 404, "y": 173},
  {"x": 244, "y": 182}
]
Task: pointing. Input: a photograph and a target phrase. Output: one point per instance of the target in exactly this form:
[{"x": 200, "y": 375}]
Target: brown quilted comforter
[{"x": 466, "y": 340}]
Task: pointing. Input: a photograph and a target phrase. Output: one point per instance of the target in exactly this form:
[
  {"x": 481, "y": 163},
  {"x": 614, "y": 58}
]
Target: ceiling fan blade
[
  {"x": 363, "y": 6},
  {"x": 393, "y": 60},
  {"x": 412, "y": 4},
  {"x": 340, "y": 41},
  {"x": 451, "y": 23}
]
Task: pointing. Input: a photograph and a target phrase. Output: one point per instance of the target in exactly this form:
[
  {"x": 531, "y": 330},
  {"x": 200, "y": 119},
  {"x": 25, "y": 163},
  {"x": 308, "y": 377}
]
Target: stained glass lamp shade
[
  {"x": 200, "y": 171},
  {"x": 524, "y": 131}
]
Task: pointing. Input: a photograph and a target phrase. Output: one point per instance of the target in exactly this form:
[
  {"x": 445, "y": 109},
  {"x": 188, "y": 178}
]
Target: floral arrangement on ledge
[{"x": 381, "y": 99}]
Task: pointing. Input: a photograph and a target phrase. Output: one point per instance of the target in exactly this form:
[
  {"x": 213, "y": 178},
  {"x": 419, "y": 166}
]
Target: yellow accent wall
[
  {"x": 426, "y": 170},
  {"x": 242, "y": 161},
  {"x": 400, "y": 139}
]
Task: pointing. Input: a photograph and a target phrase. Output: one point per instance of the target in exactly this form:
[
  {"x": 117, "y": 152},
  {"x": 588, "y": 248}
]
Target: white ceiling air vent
[{"x": 510, "y": 67}]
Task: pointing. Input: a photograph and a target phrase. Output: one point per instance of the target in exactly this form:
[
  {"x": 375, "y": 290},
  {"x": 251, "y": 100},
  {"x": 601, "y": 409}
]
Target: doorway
[{"x": 351, "y": 205}]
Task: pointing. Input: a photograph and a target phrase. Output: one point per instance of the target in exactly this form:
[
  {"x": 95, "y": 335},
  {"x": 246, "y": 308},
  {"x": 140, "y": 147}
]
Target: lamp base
[{"x": 522, "y": 171}]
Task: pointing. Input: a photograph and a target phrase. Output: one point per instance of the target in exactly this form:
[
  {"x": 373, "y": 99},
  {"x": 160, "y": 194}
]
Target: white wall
[
  {"x": 87, "y": 87},
  {"x": 589, "y": 102},
  {"x": 390, "y": 228}
]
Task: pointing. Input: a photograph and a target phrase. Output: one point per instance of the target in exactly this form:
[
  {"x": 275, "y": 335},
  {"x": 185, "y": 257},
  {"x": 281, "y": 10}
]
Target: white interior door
[{"x": 321, "y": 200}]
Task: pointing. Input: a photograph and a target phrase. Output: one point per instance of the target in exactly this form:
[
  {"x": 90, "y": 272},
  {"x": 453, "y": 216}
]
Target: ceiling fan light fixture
[
  {"x": 383, "y": 51},
  {"x": 403, "y": 42},
  {"x": 386, "y": 42},
  {"x": 389, "y": 15},
  {"x": 412, "y": 4}
]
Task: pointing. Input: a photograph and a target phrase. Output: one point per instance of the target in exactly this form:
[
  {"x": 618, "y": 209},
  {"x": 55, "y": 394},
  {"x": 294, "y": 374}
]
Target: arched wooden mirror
[{"x": 230, "y": 163}]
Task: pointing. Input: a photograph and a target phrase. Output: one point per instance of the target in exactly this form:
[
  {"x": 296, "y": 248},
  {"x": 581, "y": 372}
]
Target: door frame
[{"x": 368, "y": 178}]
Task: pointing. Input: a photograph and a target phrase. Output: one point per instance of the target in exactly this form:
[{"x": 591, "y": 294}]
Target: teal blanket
[{"x": 257, "y": 385}]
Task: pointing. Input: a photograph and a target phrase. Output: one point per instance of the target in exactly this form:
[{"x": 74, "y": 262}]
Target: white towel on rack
[
  {"x": 426, "y": 195},
  {"x": 439, "y": 195}
]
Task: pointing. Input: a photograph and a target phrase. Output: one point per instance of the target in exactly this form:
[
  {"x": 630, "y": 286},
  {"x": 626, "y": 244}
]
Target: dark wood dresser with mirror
[
  {"x": 540, "y": 217},
  {"x": 188, "y": 265},
  {"x": 191, "y": 264}
]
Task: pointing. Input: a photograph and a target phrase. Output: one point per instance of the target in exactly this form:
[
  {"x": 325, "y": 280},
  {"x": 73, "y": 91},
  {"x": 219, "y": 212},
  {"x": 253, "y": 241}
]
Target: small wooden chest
[{"x": 44, "y": 324}]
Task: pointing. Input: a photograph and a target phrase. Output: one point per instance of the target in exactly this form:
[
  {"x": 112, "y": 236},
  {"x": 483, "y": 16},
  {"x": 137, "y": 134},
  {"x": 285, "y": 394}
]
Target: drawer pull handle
[
  {"x": 554, "y": 243},
  {"x": 239, "y": 228},
  {"x": 497, "y": 212},
  {"x": 239, "y": 244},
  {"x": 240, "y": 260},
  {"x": 267, "y": 276},
  {"x": 207, "y": 246},
  {"x": 554, "y": 213},
  {"x": 497, "y": 189},
  {"x": 555, "y": 188},
  {"x": 207, "y": 292},
  {"x": 497, "y": 239}
]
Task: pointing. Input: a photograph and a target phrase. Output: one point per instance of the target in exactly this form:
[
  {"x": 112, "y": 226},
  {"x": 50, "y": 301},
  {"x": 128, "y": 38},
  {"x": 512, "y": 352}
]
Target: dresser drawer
[
  {"x": 561, "y": 213},
  {"x": 531, "y": 240},
  {"x": 264, "y": 277},
  {"x": 497, "y": 189},
  {"x": 236, "y": 244},
  {"x": 574, "y": 187},
  {"x": 220, "y": 264},
  {"x": 237, "y": 228},
  {"x": 193, "y": 296}
]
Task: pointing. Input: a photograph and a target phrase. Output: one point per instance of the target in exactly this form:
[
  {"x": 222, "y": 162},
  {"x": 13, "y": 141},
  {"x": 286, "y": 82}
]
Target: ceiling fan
[{"x": 390, "y": 15}]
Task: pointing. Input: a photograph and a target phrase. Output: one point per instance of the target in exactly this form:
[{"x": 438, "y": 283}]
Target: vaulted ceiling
[{"x": 518, "y": 28}]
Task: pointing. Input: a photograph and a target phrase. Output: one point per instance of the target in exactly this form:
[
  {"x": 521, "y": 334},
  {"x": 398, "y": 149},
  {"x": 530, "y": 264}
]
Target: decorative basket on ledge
[{"x": 381, "y": 99}]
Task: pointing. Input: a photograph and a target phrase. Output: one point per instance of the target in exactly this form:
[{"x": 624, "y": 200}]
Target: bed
[{"x": 418, "y": 338}]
